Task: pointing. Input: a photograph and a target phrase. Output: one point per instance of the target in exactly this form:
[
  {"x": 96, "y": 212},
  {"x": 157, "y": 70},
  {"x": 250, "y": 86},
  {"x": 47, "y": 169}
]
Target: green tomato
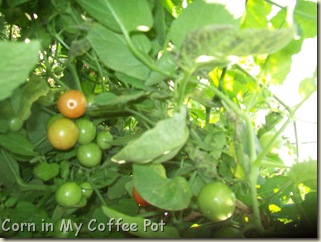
[
  {"x": 87, "y": 189},
  {"x": 87, "y": 131},
  {"x": 216, "y": 201},
  {"x": 68, "y": 194},
  {"x": 89, "y": 155},
  {"x": 266, "y": 138},
  {"x": 15, "y": 124},
  {"x": 104, "y": 139}
]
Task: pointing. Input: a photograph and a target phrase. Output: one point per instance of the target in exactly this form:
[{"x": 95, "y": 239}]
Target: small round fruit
[
  {"x": 138, "y": 199},
  {"x": 68, "y": 194},
  {"x": 266, "y": 138},
  {"x": 72, "y": 104},
  {"x": 87, "y": 189},
  {"x": 89, "y": 155},
  {"x": 216, "y": 201},
  {"x": 63, "y": 134},
  {"x": 15, "y": 124},
  {"x": 87, "y": 131},
  {"x": 104, "y": 139}
]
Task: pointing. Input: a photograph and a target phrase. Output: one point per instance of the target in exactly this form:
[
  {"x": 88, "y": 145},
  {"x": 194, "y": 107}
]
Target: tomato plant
[
  {"x": 216, "y": 201},
  {"x": 63, "y": 134},
  {"x": 68, "y": 194},
  {"x": 89, "y": 155},
  {"x": 178, "y": 99},
  {"x": 72, "y": 104}
]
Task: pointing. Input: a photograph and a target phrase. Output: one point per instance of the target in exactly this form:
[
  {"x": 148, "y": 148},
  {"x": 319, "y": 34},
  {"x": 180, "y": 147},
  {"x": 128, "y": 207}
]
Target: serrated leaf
[
  {"x": 17, "y": 60},
  {"x": 46, "y": 171},
  {"x": 152, "y": 184},
  {"x": 112, "y": 49},
  {"x": 219, "y": 45},
  {"x": 142, "y": 231},
  {"x": 209, "y": 12},
  {"x": 17, "y": 144},
  {"x": 168, "y": 135},
  {"x": 119, "y": 15}
]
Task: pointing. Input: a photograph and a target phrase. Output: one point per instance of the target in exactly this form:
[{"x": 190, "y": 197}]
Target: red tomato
[
  {"x": 72, "y": 104},
  {"x": 138, "y": 199}
]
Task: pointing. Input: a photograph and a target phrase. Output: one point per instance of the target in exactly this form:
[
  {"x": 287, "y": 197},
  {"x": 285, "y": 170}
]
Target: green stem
[
  {"x": 75, "y": 76},
  {"x": 181, "y": 88},
  {"x": 143, "y": 117}
]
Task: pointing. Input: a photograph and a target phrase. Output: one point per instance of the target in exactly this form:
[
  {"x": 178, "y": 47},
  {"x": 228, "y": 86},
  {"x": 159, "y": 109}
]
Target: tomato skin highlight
[
  {"x": 86, "y": 189},
  {"x": 216, "y": 201},
  {"x": 63, "y": 134},
  {"x": 68, "y": 194},
  {"x": 138, "y": 199},
  {"x": 104, "y": 139},
  {"x": 72, "y": 104}
]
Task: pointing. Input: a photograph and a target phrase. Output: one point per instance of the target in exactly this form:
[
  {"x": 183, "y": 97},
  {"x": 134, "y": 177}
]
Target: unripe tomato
[
  {"x": 63, "y": 134},
  {"x": 266, "y": 138},
  {"x": 87, "y": 131},
  {"x": 15, "y": 124},
  {"x": 72, "y": 104},
  {"x": 138, "y": 199},
  {"x": 54, "y": 118},
  {"x": 89, "y": 155},
  {"x": 104, "y": 139},
  {"x": 87, "y": 189},
  {"x": 216, "y": 201},
  {"x": 68, "y": 194}
]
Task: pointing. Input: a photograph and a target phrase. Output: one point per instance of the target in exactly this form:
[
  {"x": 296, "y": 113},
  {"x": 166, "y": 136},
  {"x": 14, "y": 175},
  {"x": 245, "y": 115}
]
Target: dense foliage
[{"x": 173, "y": 95}]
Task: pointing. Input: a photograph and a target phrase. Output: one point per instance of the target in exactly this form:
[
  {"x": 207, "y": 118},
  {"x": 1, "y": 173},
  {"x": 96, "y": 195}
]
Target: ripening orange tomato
[
  {"x": 72, "y": 104},
  {"x": 138, "y": 199}
]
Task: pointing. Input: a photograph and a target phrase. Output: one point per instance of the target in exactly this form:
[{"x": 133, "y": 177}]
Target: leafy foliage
[{"x": 179, "y": 86}]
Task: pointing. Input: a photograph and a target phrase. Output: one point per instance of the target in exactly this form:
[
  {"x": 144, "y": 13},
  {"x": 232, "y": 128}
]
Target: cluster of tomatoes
[{"x": 67, "y": 129}]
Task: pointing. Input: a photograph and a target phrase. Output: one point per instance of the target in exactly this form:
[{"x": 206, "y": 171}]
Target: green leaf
[
  {"x": 304, "y": 172},
  {"x": 117, "y": 190},
  {"x": 197, "y": 15},
  {"x": 120, "y": 15},
  {"x": 306, "y": 16},
  {"x": 168, "y": 135},
  {"x": 9, "y": 170},
  {"x": 30, "y": 93},
  {"x": 46, "y": 171},
  {"x": 109, "y": 99},
  {"x": 256, "y": 12},
  {"x": 17, "y": 60},
  {"x": 152, "y": 184},
  {"x": 17, "y": 144},
  {"x": 143, "y": 230},
  {"x": 218, "y": 45},
  {"x": 15, "y": 3},
  {"x": 37, "y": 129},
  {"x": 309, "y": 85},
  {"x": 113, "y": 51}
]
